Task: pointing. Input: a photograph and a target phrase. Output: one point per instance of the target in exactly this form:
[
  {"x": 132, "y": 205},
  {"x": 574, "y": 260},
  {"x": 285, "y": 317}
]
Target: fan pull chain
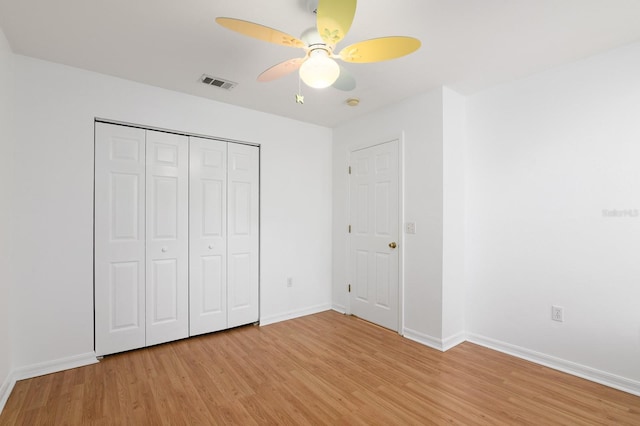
[{"x": 299, "y": 96}]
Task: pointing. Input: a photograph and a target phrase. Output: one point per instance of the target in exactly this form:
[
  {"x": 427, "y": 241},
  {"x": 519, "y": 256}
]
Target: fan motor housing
[{"x": 311, "y": 37}]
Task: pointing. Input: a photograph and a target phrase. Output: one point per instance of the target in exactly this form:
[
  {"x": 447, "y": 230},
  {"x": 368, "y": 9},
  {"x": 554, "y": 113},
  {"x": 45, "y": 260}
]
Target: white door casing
[
  {"x": 207, "y": 236},
  {"x": 167, "y": 198},
  {"x": 119, "y": 249},
  {"x": 243, "y": 234},
  {"x": 374, "y": 219}
]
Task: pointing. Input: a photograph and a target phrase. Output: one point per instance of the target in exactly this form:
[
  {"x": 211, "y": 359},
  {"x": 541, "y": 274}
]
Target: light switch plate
[{"x": 410, "y": 227}]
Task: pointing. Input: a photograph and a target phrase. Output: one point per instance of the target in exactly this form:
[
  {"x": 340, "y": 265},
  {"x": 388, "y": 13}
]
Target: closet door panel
[
  {"x": 119, "y": 238},
  {"x": 167, "y": 197},
  {"x": 207, "y": 236},
  {"x": 242, "y": 242}
]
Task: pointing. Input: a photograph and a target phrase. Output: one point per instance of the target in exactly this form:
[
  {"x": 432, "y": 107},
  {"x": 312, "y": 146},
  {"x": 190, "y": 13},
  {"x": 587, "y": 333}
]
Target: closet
[{"x": 176, "y": 236}]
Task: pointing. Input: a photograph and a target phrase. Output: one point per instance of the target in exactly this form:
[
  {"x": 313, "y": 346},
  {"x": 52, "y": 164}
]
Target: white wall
[
  {"x": 55, "y": 109},
  {"x": 418, "y": 121},
  {"x": 6, "y": 213},
  {"x": 547, "y": 155},
  {"x": 454, "y": 149}
]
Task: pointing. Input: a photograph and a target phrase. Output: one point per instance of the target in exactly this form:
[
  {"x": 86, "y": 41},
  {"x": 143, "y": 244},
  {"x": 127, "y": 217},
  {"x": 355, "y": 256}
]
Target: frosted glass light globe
[{"x": 319, "y": 71}]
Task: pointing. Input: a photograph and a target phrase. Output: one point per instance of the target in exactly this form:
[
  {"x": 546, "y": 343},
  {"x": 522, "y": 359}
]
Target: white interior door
[
  {"x": 119, "y": 238},
  {"x": 207, "y": 236},
  {"x": 167, "y": 198},
  {"x": 374, "y": 207},
  {"x": 242, "y": 229}
]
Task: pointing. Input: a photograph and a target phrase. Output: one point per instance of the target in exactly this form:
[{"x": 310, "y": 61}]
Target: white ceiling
[{"x": 467, "y": 45}]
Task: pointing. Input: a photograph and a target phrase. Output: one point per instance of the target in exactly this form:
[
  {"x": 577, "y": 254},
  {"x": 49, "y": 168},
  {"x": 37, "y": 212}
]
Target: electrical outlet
[
  {"x": 289, "y": 282},
  {"x": 557, "y": 313},
  {"x": 410, "y": 227}
]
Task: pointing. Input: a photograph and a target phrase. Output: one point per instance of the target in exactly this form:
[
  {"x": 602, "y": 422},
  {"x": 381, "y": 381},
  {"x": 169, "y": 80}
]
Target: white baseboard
[
  {"x": 416, "y": 336},
  {"x": 48, "y": 367},
  {"x": 6, "y": 388},
  {"x": 35, "y": 370},
  {"x": 294, "y": 314},
  {"x": 452, "y": 341},
  {"x": 442, "y": 345},
  {"x": 339, "y": 308},
  {"x": 569, "y": 367}
]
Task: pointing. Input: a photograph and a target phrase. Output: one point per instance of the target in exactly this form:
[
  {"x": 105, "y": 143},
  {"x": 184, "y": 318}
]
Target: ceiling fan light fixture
[{"x": 319, "y": 70}]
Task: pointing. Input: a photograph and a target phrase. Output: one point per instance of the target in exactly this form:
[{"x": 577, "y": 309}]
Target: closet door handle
[
  {"x": 164, "y": 249},
  {"x": 210, "y": 246}
]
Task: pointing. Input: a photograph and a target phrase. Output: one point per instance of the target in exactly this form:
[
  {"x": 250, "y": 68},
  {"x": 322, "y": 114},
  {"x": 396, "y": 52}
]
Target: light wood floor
[{"x": 321, "y": 369}]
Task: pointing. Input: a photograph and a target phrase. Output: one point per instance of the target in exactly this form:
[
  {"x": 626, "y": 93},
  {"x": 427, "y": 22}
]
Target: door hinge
[
  {"x": 349, "y": 169},
  {"x": 349, "y": 228},
  {"x": 349, "y": 288}
]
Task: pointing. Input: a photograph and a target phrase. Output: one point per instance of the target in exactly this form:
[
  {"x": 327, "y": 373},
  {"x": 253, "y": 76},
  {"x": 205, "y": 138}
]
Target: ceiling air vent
[{"x": 217, "y": 82}]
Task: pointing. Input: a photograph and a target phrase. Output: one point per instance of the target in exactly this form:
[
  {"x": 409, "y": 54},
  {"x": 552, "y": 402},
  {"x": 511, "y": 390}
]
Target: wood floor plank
[{"x": 320, "y": 369}]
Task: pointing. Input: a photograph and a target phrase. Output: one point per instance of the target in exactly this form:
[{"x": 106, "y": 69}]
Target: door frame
[{"x": 401, "y": 240}]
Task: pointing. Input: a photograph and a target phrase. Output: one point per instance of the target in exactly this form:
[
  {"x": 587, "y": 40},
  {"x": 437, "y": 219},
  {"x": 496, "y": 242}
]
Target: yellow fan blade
[
  {"x": 281, "y": 69},
  {"x": 260, "y": 32},
  {"x": 379, "y": 49},
  {"x": 334, "y": 19}
]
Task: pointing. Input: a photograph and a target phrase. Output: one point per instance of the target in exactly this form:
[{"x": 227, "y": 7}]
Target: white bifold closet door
[
  {"x": 242, "y": 228},
  {"x": 141, "y": 238},
  {"x": 208, "y": 236},
  {"x": 120, "y": 240},
  {"x": 167, "y": 220},
  {"x": 223, "y": 235}
]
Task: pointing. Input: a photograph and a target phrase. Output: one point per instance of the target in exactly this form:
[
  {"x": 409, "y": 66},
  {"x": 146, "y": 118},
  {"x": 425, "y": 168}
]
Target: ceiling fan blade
[
  {"x": 334, "y": 19},
  {"x": 345, "y": 81},
  {"x": 281, "y": 69},
  {"x": 260, "y": 32},
  {"x": 379, "y": 49}
]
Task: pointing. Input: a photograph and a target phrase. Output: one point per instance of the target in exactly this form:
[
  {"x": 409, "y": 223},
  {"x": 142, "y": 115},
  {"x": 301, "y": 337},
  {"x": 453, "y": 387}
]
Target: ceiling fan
[{"x": 318, "y": 67}]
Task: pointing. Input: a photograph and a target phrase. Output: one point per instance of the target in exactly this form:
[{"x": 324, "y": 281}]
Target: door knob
[
  {"x": 164, "y": 249},
  {"x": 393, "y": 245},
  {"x": 210, "y": 246}
]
